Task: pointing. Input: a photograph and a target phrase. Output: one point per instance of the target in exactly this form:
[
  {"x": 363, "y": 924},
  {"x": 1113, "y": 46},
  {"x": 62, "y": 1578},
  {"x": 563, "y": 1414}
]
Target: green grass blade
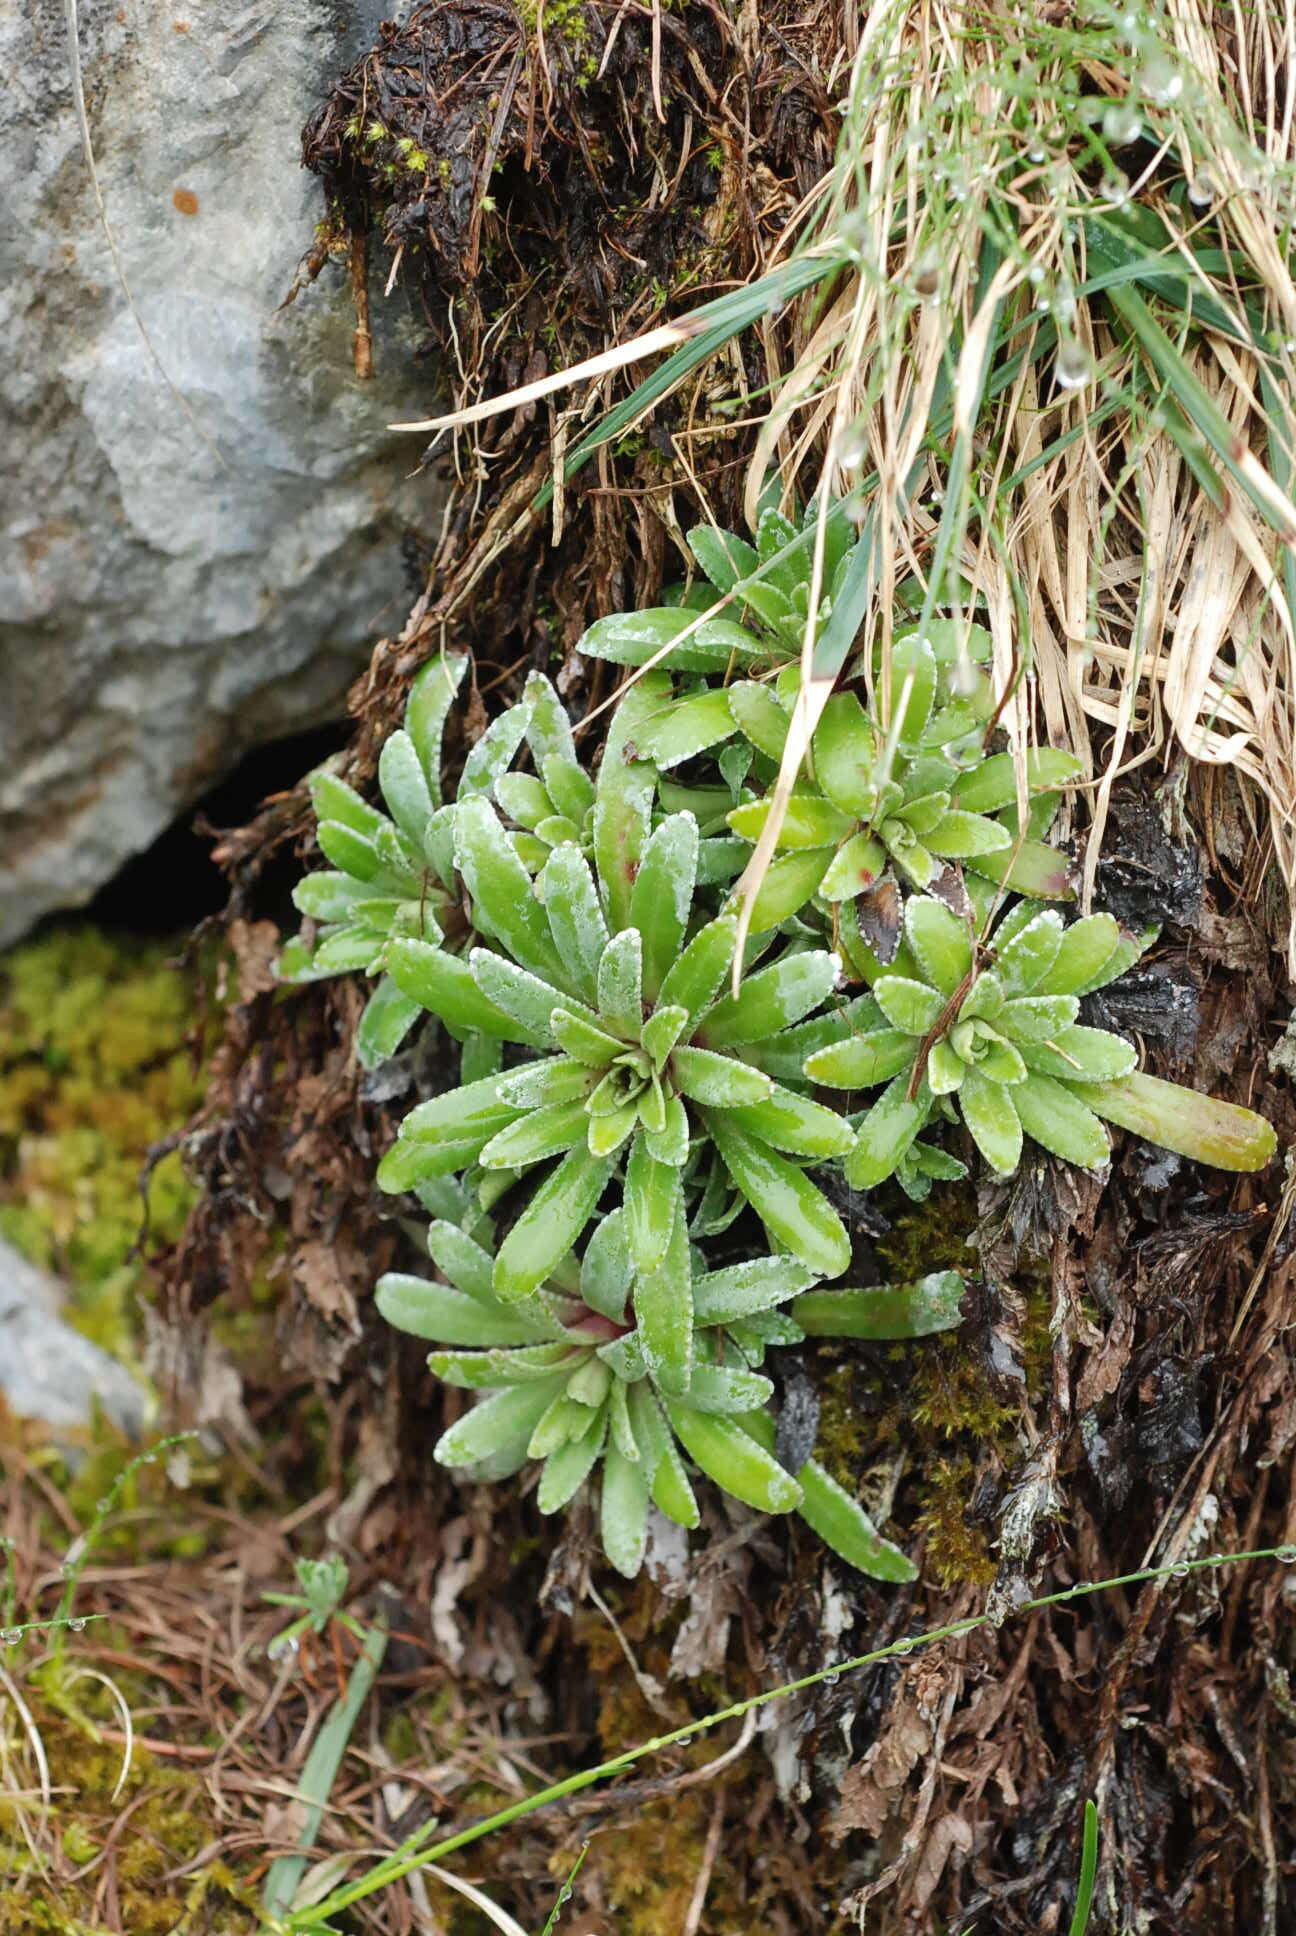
[
  {"x": 319, "y": 1775},
  {"x": 717, "y": 323},
  {"x": 564, "y": 1894},
  {"x": 1088, "y": 1872}
]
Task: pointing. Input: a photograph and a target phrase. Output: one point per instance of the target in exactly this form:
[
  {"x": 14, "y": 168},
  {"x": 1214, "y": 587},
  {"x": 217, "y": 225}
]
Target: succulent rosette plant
[
  {"x": 616, "y": 985},
  {"x": 565, "y": 1379},
  {"x": 991, "y": 1027}
]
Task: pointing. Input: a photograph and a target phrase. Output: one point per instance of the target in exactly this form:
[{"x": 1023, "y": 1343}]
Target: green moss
[
  {"x": 167, "y": 1822},
  {"x": 957, "y": 1552},
  {"x": 936, "y": 1398},
  {"x": 94, "y": 1069}
]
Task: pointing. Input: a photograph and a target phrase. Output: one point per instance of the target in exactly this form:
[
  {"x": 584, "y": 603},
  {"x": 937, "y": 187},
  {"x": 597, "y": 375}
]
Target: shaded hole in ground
[{"x": 175, "y": 883}]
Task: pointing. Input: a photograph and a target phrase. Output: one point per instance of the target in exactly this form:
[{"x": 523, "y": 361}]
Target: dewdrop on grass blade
[
  {"x": 1072, "y": 368},
  {"x": 1161, "y": 81},
  {"x": 1201, "y": 189},
  {"x": 1122, "y": 124}
]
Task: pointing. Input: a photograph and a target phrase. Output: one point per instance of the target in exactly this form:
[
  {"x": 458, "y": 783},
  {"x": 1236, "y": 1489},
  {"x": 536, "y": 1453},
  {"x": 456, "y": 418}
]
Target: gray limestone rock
[
  {"x": 178, "y": 582},
  {"x": 47, "y": 1370}
]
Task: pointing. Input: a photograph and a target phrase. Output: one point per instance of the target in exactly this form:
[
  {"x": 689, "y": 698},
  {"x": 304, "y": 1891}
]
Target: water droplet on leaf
[
  {"x": 1121, "y": 124},
  {"x": 1072, "y": 368}
]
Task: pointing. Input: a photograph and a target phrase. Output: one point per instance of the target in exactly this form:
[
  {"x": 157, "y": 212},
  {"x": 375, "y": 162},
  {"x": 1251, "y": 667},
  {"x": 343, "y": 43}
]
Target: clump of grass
[{"x": 1039, "y": 324}]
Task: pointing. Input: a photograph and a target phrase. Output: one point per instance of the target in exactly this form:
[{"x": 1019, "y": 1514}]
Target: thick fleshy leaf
[
  {"x": 524, "y": 997},
  {"x": 1085, "y": 949},
  {"x": 632, "y": 638},
  {"x": 556, "y": 1078},
  {"x": 908, "y": 1005},
  {"x": 496, "y": 1421},
  {"x": 388, "y": 1017},
  {"x": 989, "y": 1113},
  {"x": 724, "y": 557},
  {"x": 862, "y": 1061},
  {"x": 620, "y": 1428},
  {"x": 623, "y": 796},
  {"x": 914, "y": 1310},
  {"x": 662, "y": 1031},
  {"x": 1056, "y": 1118},
  {"x": 438, "y": 844},
  {"x": 671, "y": 1491},
  {"x": 810, "y": 821},
  {"x": 569, "y": 787},
  {"x": 1023, "y": 964},
  {"x": 568, "y": 1467},
  {"x": 431, "y": 697},
  {"x": 923, "y": 812},
  {"x": 917, "y": 863},
  {"x": 1032, "y": 868},
  {"x": 845, "y": 750},
  {"x": 606, "y": 1269},
  {"x": 461, "y": 1259},
  {"x": 886, "y": 1132},
  {"x": 723, "y": 1296},
  {"x": 839, "y": 1520},
  {"x": 696, "y": 976},
  {"x": 945, "y": 1068},
  {"x": 549, "y": 733},
  {"x": 1129, "y": 949},
  {"x": 352, "y": 852},
  {"x": 1036, "y": 1018},
  {"x": 523, "y": 798},
  {"x": 455, "y": 1112},
  {"x": 856, "y": 866},
  {"x": 958, "y": 836},
  {"x": 332, "y": 896},
  {"x": 623, "y": 1511},
  {"x": 719, "y": 1079},
  {"x": 913, "y": 686},
  {"x": 652, "y": 1200},
  {"x": 345, "y": 951},
  {"x": 444, "y": 1316},
  {"x": 792, "y": 1209},
  {"x": 771, "y": 999},
  {"x": 550, "y": 1224},
  {"x": 662, "y": 896},
  {"x": 685, "y": 727},
  {"x": 540, "y": 1133},
  {"x": 491, "y": 753},
  {"x": 663, "y": 1304},
  {"x": 493, "y": 1369},
  {"x": 1081, "y": 1054},
  {"x": 669, "y": 1143},
  {"x": 784, "y": 1056},
  {"x": 790, "y": 881},
  {"x": 333, "y": 800},
  {"x": 502, "y": 892},
  {"x": 1202, "y": 1128},
  {"x": 793, "y": 1123},
  {"x": 992, "y": 783},
  {"x": 842, "y": 1523},
  {"x": 727, "y": 1391},
  {"x": 759, "y": 717},
  {"x": 582, "y": 1040},
  {"x": 606, "y": 1133},
  {"x": 620, "y": 985},
  {"x": 941, "y": 943},
  {"x": 404, "y": 786},
  {"x": 721, "y": 860},
  {"x": 732, "y": 1457}
]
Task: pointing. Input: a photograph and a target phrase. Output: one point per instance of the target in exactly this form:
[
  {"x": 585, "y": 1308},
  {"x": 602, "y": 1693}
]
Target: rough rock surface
[
  {"x": 47, "y": 1370},
  {"x": 162, "y": 611}
]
